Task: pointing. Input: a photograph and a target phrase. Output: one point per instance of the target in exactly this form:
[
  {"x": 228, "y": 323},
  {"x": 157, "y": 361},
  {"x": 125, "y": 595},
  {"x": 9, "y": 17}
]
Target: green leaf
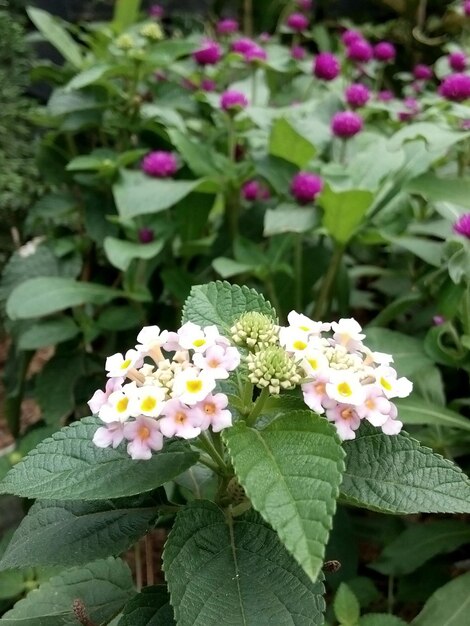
[
  {"x": 448, "y": 606},
  {"x": 437, "y": 137},
  {"x": 415, "y": 410},
  {"x": 218, "y": 567},
  {"x": 420, "y": 543},
  {"x": 41, "y": 296},
  {"x": 88, "y": 77},
  {"x": 291, "y": 471},
  {"x": 151, "y": 607},
  {"x": 126, "y": 13},
  {"x": 201, "y": 158},
  {"x": 428, "y": 251},
  {"x": 288, "y": 143},
  {"x": 58, "y": 400},
  {"x": 52, "y": 30},
  {"x": 437, "y": 189},
  {"x": 395, "y": 474},
  {"x": 289, "y": 219},
  {"x": 48, "y": 333},
  {"x": 121, "y": 253},
  {"x": 68, "y": 466},
  {"x": 138, "y": 194},
  {"x": 11, "y": 585},
  {"x": 72, "y": 533},
  {"x": 381, "y": 619},
  {"x": 222, "y": 304},
  {"x": 102, "y": 586},
  {"x": 408, "y": 352},
  {"x": 346, "y": 606},
  {"x": 228, "y": 267},
  {"x": 344, "y": 211}
]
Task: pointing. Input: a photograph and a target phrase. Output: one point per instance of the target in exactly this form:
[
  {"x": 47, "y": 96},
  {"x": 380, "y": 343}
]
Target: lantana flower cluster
[
  {"x": 165, "y": 387},
  {"x": 339, "y": 376}
]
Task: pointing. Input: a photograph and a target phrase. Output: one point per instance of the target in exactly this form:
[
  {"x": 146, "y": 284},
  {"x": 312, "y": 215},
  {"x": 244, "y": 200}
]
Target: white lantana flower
[
  {"x": 218, "y": 361},
  {"x": 193, "y": 337},
  {"x": 345, "y": 386},
  {"x": 305, "y": 324},
  {"x": 191, "y": 385},
  {"x": 148, "y": 401},
  {"x": 118, "y": 406},
  {"x": 347, "y": 332},
  {"x": 293, "y": 339},
  {"x": 150, "y": 337},
  {"x": 392, "y": 386},
  {"x": 117, "y": 365},
  {"x": 376, "y": 407},
  {"x": 314, "y": 362}
]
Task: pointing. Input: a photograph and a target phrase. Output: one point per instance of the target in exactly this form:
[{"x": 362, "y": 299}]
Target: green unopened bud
[
  {"x": 125, "y": 42},
  {"x": 274, "y": 368},
  {"x": 151, "y": 31},
  {"x": 255, "y": 331},
  {"x": 15, "y": 457}
]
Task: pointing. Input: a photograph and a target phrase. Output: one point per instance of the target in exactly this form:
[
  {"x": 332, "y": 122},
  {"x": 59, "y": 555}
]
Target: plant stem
[
  {"x": 248, "y": 396},
  {"x": 343, "y": 151},
  {"x": 150, "y": 575},
  {"x": 138, "y": 566},
  {"x": 253, "y": 87},
  {"x": 390, "y": 594},
  {"x": 248, "y": 17},
  {"x": 208, "y": 462},
  {"x": 207, "y": 445},
  {"x": 257, "y": 407},
  {"x": 298, "y": 263},
  {"x": 323, "y": 302}
]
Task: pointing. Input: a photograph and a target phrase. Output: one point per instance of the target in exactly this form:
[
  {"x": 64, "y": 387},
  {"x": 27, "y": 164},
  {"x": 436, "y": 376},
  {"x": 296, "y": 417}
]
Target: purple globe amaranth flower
[
  {"x": 422, "y": 72},
  {"x": 209, "y": 85},
  {"x": 462, "y": 225},
  {"x": 385, "y": 95},
  {"x": 457, "y": 61},
  {"x": 350, "y": 36},
  {"x": 254, "y": 190},
  {"x": 305, "y": 187},
  {"x": 466, "y": 8},
  {"x": 156, "y": 11},
  {"x": 264, "y": 37},
  {"x": 357, "y": 95},
  {"x": 412, "y": 109},
  {"x": 297, "y": 22},
  {"x": 255, "y": 53},
  {"x": 326, "y": 66},
  {"x": 465, "y": 124},
  {"x": 232, "y": 99},
  {"x": 242, "y": 45},
  {"x": 455, "y": 87},
  {"x": 438, "y": 320},
  {"x": 227, "y": 26},
  {"x": 385, "y": 51},
  {"x": 209, "y": 53},
  {"x": 146, "y": 235},
  {"x": 305, "y": 5},
  {"x": 360, "y": 51},
  {"x": 298, "y": 53},
  {"x": 160, "y": 164},
  {"x": 346, "y": 124}
]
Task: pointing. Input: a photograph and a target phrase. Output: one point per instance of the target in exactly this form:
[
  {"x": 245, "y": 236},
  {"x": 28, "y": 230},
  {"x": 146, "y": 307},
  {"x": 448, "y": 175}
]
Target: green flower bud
[
  {"x": 274, "y": 368},
  {"x": 152, "y": 31},
  {"x": 124, "y": 42},
  {"x": 255, "y": 331}
]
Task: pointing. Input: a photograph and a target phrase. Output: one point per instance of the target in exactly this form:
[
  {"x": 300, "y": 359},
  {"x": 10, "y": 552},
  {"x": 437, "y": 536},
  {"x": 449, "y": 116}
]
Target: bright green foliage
[
  {"x": 102, "y": 586},
  {"x": 235, "y": 570},
  {"x": 419, "y": 543},
  {"x": 381, "y": 619},
  {"x": 57, "y": 35},
  {"x": 344, "y": 211},
  {"x": 449, "y": 605},
  {"x": 346, "y": 606},
  {"x": 291, "y": 471},
  {"x": 72, "y": 533},
  {"x": 69, "y": 466},
  {"x": 122, "y": 253},
  {"x": 290, "y": 144},
  {"x": 151, "y": 607},
  {"x": 398, "y": 475},
  {"x": 222, "y": 304}
]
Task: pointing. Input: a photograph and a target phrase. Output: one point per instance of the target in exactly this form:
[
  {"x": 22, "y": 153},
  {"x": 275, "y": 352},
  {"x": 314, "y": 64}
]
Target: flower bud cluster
[{"x": 165, "y": 387}]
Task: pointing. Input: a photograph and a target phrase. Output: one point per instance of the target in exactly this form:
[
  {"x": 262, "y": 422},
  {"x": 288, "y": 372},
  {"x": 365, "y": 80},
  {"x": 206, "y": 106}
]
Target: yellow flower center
[
  {"x": 148, "y": 404},
  {"x": 313, "y": 363},
  {"x": 304, "y": 328},
  {"x": 125, "y": 364},
  {"x": 198, "y": 343},
  {"x": 121, "y": 405},
  {"x": 194, "y": 386},
  {"x": 344, "y": 390},
  {"x": 144, "y": 432},
  {"x": 385, "y": 384},
  {"x": 299, "y": 345}
]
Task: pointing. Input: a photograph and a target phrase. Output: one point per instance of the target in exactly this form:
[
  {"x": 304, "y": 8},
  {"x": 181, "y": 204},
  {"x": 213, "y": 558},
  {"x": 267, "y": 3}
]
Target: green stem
[
  {"x": 248, "y": 17},
  {"x": 323, "y": 302},
  {"x": 254, "y": 86},
  {"x": 248, "y": 396},
  {"x": 273, "y": 295},
  {"x": 210, "y": 464},
  {"x": 390, "y": 594},
  {"x": 206, "y": 444},
  {"x": 298, "y": 263},
  {"x": 343, "y": 151},
  {"x": 257, "y": 407}
]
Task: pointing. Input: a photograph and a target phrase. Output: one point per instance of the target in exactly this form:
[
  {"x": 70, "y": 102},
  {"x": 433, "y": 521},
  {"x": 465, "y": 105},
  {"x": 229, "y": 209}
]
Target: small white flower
[
  {"x": 345, "y": 419},
  {"x": 392, "y": 426},
  {"x": 150, "y": 337},
  {"x": 179, "y": 420},
  {"x": 293, "y": 340},
  {"x": 111, "y": 435},
  {"x": 347, "y": 332},
  {"x": 376, "y": 407},
  {"x": 193, "y": 337},
  {"x": 305, "y": 324},
  {"x": 315, "y": 393},
  {"x": 118, "y": 406},
  {"x": 392, "y": 386},
  {"x": 345, "y": 386},
  {"x": 148, "y": 400},
  {"x": 314, "y": 362},
  {"x": 212, "y": 411},
  {"x": 218, "y": 361},
  {"x": 191, "y": 385},
  {"x": 118, "y": 365}
]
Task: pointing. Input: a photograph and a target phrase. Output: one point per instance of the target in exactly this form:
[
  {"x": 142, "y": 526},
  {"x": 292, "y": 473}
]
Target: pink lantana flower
[
  {"x": 111, "y": 435},
  {"x": 345, "y": 419},
  {"x": 218, "y": 361},
  {"x": 179, "y": 420},
  {"x": 144, "y": 436},
  {"x": 212, "y": 412}
]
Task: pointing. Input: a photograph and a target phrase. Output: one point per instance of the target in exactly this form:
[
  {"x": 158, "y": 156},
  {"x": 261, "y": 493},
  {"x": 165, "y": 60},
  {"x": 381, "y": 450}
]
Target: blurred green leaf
[{"x": 344, "y": 211}]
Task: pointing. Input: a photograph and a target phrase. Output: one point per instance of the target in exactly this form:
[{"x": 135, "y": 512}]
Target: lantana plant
[{"x": 241, "y": 435}]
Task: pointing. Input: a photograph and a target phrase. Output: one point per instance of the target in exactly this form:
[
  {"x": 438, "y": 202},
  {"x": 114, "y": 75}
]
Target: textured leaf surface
[
  {"x": 381, "y": 619},
  {"x": 103, "y": 587},
  {"x": 151, "y": 607},
  {"x": 419, "y": 543},
  {"x": 68, "y": 466},
  {"x": 291, "y": 471},
  {"x": 395, "y": 474},
  {"x": 235, "y": 572},
  {"x": 72, "y": 533},
  {"x": 448, "y": 606},
  {"x": 222, "y": 304}
]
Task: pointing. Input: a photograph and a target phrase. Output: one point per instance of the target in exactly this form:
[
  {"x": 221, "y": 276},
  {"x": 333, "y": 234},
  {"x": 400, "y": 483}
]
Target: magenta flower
[
  {"x": 264, "y": 37},
  {"x": 297, "y": 22},
  {"x": 360, "y": 51},
  {"x": 457, "y": 61},
  {"x": 156, "y": 11},
  {"x": 455, "y": 87},
  {"x": 254, "y": 190},
  {"x": 385, "y": 51},
  {"x": 298, "y": 53},
  {"x": 422, "y": 72},
  {"x": 242, "y": 45},
  {"x": 350, "y": 36},
  {"x": 305, "y": 187},
  {"x": 465, "y": 124},
  {"x": 255, "y": 53},
  {"x": 385, "y": 96},
  {"x": 466, "y": 8},
  {"x": 160, "y": 164},
  {"x": 227, "y": 26},
  {"x": 210, "y": 53},
  {"x": 438, "y": 320},
  {"x": 208, "y": 85},
  {"x": 305, "y": 5},
  {"x": 144, "y": 436},
  {"x": 357, "y": 95},
  {"x": 412, "y": 109},
  {"x": 346, "y": 124},
  {"x": 232, "y": 99},
  {"x": 462, "y": 225},
  {"x": 326, "y": 66},
  {"x": 146, "y": 235}
]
